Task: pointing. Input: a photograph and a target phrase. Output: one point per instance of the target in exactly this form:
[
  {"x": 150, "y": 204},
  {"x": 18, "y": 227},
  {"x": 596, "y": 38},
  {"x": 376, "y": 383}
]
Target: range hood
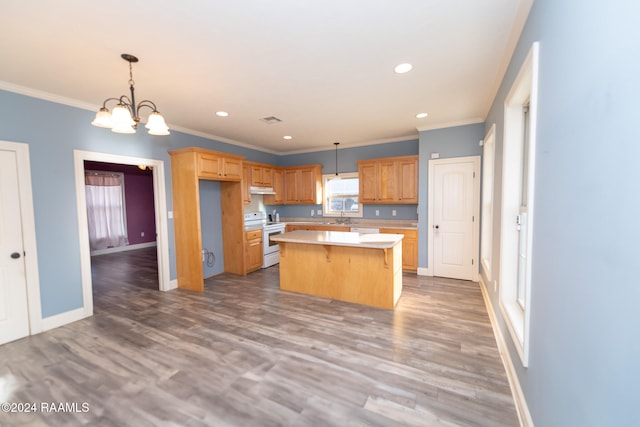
[{"x": 261, "y": 190}]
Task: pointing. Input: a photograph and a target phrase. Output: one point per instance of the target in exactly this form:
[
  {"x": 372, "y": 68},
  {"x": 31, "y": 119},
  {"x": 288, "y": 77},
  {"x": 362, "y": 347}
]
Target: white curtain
[{"x": 105, "y": 210}]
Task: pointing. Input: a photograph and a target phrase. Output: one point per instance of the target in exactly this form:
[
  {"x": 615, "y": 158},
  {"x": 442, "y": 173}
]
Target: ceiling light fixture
[
  {"x": 403, "y": 68},
  {"x": 421, "y": 115},
  {"x": 125, "y": 118},
  {"x": 287, "y": 137},
  {"x": 222, "y": 114}
]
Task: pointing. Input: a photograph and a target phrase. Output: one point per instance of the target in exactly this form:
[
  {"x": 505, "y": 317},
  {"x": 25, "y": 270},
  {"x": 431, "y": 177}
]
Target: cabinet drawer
[
  {"x": 408, "y": 234},
  {"x": 254, "y": 234}
]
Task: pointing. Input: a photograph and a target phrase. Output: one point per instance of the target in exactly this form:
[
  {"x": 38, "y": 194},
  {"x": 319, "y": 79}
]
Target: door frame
[
  {"x": 28, "y": 233},
  {"x": 160, "y": 207},
  {"x": 476, "y": 211}
]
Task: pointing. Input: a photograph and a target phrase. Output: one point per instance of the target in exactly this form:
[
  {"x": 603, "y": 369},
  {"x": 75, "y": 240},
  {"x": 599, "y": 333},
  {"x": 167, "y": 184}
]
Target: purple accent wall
[{"x": 138, "y": 195}]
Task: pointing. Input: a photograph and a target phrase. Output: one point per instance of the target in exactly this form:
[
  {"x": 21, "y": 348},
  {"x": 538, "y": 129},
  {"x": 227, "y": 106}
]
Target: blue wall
[
  {"x": 211, "y": 225},
  {"x": 584, "y": 340}
]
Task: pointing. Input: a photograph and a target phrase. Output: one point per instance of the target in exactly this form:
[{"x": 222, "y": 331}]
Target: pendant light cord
[{"x": 336, "y": 144}]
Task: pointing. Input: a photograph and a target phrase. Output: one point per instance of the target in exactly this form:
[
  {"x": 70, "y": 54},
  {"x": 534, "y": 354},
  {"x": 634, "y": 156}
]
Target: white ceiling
[{"x": 325, "y": 68}]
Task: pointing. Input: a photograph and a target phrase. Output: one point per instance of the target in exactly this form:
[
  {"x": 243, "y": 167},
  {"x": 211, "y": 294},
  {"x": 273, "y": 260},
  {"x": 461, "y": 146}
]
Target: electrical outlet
[
  {"x": 377, "y": 212},
  {"x": 319, "y": 212},
  {"x": 312, "y": 212},
  {"x": 142, "y": 234},
  {"x": 393, "y": 212},
  {"x": 204, "y": 255}
]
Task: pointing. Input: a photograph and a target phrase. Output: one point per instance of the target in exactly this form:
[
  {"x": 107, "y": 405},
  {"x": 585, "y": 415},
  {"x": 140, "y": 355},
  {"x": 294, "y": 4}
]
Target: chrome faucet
[{"x": 344, "y": 220}]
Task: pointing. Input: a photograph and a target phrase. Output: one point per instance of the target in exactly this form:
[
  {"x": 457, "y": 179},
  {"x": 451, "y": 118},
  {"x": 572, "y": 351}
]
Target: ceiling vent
[{"x": 271, "y": 120}]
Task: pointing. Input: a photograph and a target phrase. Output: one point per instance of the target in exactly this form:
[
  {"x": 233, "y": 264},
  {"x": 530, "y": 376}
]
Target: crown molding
[{"x": 452, "y": 124}]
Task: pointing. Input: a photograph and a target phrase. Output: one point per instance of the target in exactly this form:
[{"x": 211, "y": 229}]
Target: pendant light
[
  {"x": 336, "y": 144},
  {"x": 125, "y": 116}
]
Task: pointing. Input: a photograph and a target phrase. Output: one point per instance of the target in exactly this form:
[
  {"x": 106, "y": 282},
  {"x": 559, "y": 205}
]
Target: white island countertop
[{"x": 340, "y": 238}]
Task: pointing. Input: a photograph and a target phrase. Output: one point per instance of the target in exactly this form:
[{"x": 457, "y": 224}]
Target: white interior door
[
  {"x": 14, "y": 312},
  {"x": 454, "y": 211}
]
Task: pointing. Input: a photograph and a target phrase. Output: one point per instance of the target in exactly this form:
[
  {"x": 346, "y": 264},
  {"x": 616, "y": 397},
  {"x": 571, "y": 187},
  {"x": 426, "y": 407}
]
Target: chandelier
[{"x": 125, "y": 118}]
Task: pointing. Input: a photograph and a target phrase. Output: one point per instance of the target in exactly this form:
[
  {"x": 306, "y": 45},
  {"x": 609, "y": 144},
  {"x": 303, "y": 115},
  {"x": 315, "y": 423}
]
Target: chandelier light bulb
[
  {"x": 156, "y": 124},
  {"x": 103, "y": 118}
]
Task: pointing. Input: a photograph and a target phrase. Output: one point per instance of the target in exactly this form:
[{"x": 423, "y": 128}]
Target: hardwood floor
[{"x": 243, "y": 353}]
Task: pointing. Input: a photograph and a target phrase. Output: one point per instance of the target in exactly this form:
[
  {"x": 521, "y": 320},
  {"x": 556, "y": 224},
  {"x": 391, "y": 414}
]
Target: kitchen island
[{"x": 358, "y": 268}]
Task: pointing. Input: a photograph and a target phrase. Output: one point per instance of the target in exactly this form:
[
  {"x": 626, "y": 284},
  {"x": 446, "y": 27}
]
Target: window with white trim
[
  {"x": 486, "y": 244},
  {"x": 340, "y": 195},
  {"x": 517, "y": 222}
]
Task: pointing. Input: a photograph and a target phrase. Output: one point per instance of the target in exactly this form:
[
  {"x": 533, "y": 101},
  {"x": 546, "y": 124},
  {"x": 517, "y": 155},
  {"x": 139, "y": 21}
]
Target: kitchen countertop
[
  {"x": 363, "y": 223},
  {"x": 340, "y": 238}
]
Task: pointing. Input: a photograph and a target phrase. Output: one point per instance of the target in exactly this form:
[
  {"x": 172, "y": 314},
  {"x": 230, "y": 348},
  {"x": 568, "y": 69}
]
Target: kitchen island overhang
[{"x": 358, "y": 268}]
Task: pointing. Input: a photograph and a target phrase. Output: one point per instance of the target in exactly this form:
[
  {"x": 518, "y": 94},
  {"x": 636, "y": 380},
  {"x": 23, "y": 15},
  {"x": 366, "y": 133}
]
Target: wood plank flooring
[{"x": 243, "y": 353}]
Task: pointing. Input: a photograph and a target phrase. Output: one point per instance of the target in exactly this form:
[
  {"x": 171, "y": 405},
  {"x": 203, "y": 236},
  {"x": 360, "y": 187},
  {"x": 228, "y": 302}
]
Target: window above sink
[{"x": 340, "y": 196}]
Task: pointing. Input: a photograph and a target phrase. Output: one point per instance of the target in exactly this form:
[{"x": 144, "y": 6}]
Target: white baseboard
[
  {"x": 518, "y": 396},
  {"x": 123, "y": 248},
  {"x": 61, "y": 319},
  {"x": 424, "y": 271},
  {"x": 173, "y": 284}
]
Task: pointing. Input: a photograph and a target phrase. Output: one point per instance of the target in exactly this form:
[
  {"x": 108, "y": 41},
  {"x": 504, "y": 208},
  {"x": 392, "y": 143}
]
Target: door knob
[
  {"x": 15, "y": 255},
  {"x": 437, "y": 226}
]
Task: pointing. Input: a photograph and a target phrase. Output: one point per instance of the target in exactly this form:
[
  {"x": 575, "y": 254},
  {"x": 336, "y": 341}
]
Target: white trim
[
  {"x": 424, "y": 271},
  {"x": 173, "y": 284},
  {"x": 452, "y": 124},
  {"x": 523, "y": 89},
  {"x": 345, "y": 214},
  {"x": 47, "y": 96},
  {"x": 160, "y": 206},
  {"x": 123, "y": 248},
  {"x": 486, "y": 224},
  {"x": 476, "y": 211},
  {"x": 62, "y": 319},
  {"x": 34, "y": 302},
  {"x": 34, "y": 93},
  {"x": 516, "y": 390}
]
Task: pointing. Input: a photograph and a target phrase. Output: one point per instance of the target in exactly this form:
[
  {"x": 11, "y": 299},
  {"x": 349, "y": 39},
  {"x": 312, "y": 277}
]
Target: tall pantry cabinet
[{"x": 188, "y": 167}]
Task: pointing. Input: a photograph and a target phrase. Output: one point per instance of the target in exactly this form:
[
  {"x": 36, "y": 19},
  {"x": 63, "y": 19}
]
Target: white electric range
[{"x": 270, "y": 249}]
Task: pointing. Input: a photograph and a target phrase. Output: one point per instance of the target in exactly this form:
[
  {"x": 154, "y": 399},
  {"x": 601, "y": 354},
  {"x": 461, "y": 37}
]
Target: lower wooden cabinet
[
  {"x": 409, "y": 247},
  {"x": 253, "y": 250}
]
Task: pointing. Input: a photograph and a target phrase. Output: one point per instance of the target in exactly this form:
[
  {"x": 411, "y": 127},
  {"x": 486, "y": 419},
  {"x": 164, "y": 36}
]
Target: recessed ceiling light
[
  {"x": 421, "y": 115},
  {"x": 403, "y": 68},
  {"x": 222, "y": 114},
  {"x": 287, "y": 137}
]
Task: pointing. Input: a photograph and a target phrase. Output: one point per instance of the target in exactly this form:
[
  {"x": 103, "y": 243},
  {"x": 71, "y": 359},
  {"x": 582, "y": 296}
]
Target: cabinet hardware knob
[{"x": 15, "y": 255}]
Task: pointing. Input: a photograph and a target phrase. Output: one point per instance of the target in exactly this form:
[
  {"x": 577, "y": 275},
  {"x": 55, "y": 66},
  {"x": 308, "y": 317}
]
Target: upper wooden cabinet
[
  {"x": 218, "y": 166},
  {"x": 292, "y": 185},
  {"x": 261, "y": 175},
  {"x": 392, "y": 180},
  {"x": 278, "y": 187},
  {"x": 246, "y": 182},
  {"x": 303, "y": 185}
]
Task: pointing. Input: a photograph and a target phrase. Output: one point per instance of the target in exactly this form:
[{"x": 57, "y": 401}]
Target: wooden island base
[{"x": 369, "y": 276}]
